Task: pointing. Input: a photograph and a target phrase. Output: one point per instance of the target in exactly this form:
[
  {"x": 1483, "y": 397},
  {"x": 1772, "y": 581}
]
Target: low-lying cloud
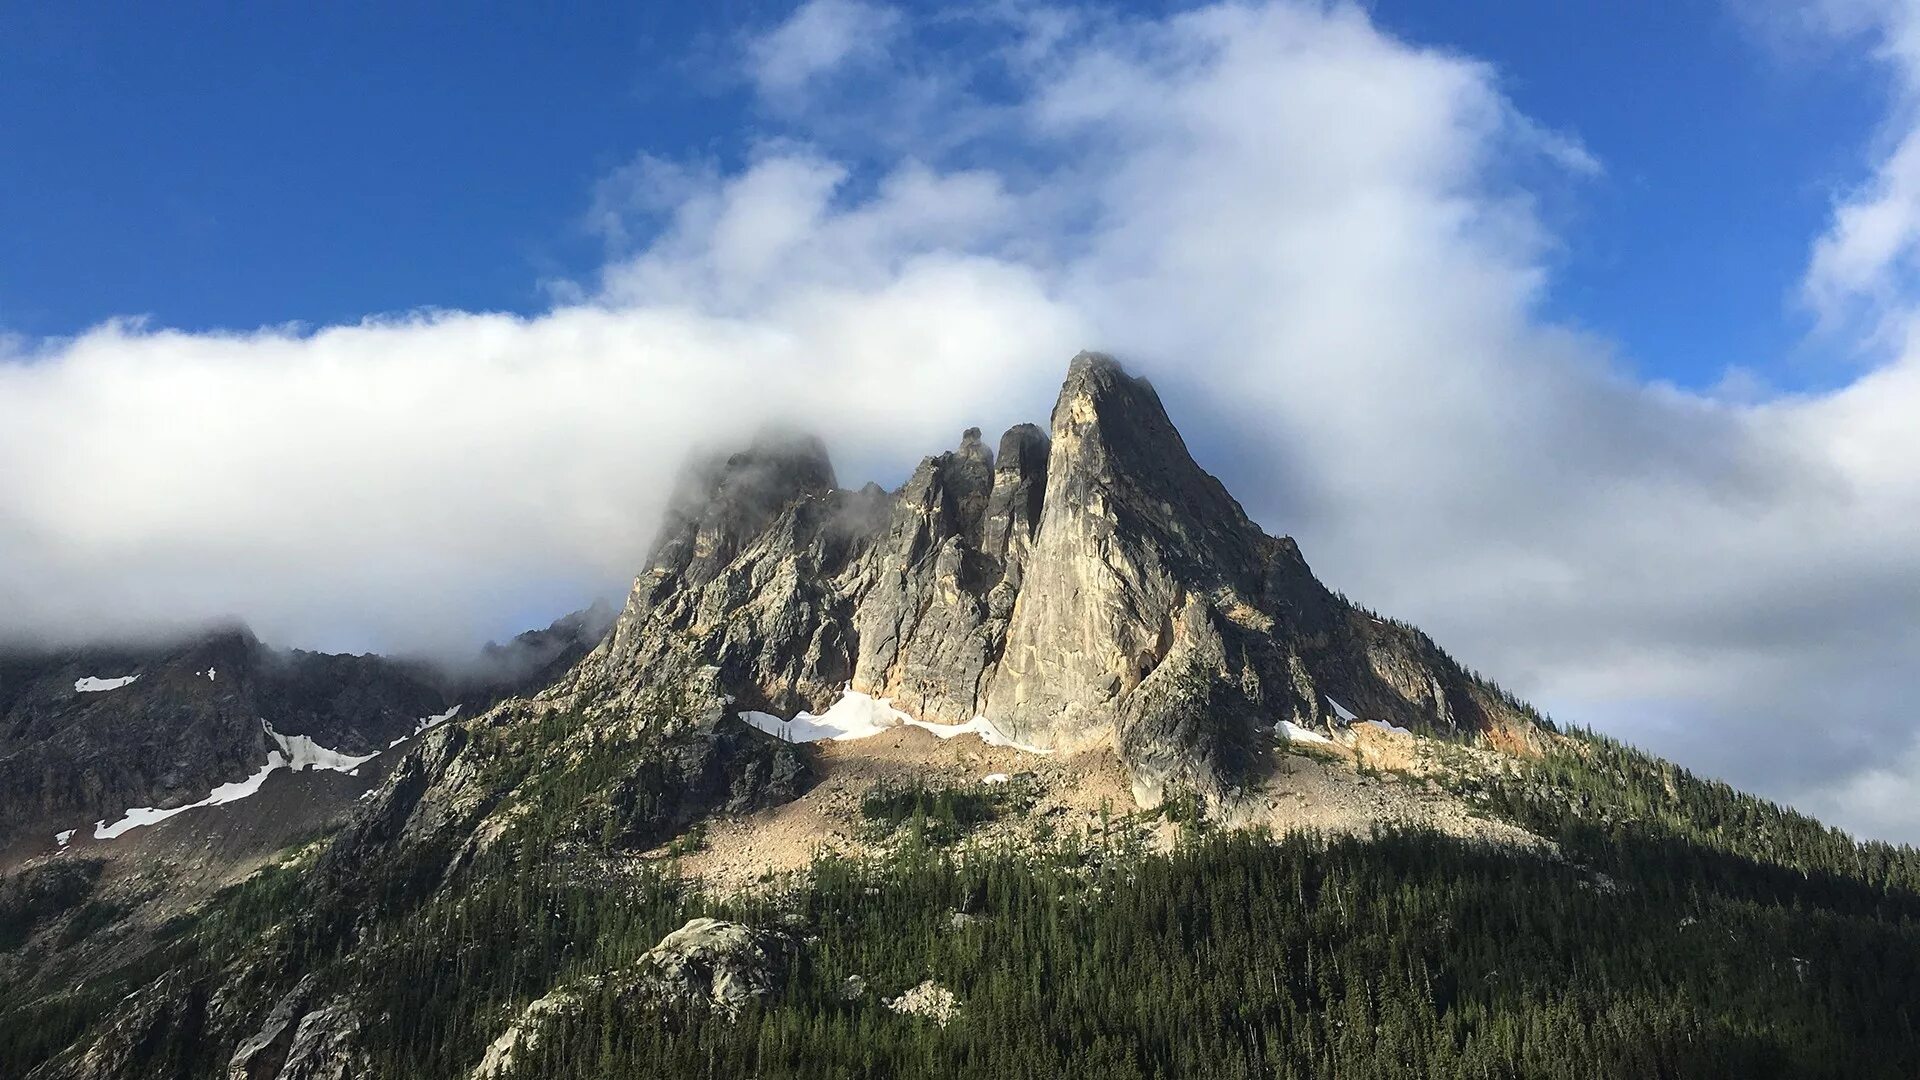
[{"x": 1322, "y": 243}]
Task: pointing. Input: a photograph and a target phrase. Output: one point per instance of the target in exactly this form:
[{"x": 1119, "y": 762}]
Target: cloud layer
[{"x": 1319, "y": 241}]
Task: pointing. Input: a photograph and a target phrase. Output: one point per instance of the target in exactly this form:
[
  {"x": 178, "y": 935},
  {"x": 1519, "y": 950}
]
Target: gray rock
[
  {"x": 928, "y": 1000},
  {"x": 324, "y": 1046},
  {"x": 261, "y": 1055},
  {"x": 731, "y": 769},
  {"x": 167, "y": 738},
  {"x": 725, "y": 964},
  {"x": 721, "y": 964},
  {"x": 192, "y": 718},
  {"x": 525, "y": 1034},
  {"x": 1091, "y": 585},
  {"x": 124, "y": 1046}
]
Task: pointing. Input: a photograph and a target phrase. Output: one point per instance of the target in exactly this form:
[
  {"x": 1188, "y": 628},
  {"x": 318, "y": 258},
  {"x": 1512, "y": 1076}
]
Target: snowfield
[
  {"x": 93, "y": 685},
  {"x": 426, "y": 723},
  {"x": 295, "y": 752},
  {"x": 1293, "y": 732},
  {"x": 860, "y": 716},
  {"x": 304, "y": 753},
  {"x": 1345, "y": 714},
  {"x": 225, "y": 793}
]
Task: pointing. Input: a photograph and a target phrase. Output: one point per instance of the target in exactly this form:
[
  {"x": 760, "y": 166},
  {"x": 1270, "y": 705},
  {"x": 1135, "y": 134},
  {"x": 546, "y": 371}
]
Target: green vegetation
[
  {"x": 89, "y": 917},
  {"x": 936, "y": 815},
  {"x": 1402, "y": 955},
  {"x": 1686, "y": 930},
  {"x": 27, "y": 900},
  {"x": 1635, "y": 814},
  {"x": 691, "y": 841}
]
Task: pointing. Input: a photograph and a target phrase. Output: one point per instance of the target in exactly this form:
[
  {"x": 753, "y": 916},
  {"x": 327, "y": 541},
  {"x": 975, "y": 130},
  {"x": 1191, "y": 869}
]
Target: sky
[{"x": 1580, "y": 335}]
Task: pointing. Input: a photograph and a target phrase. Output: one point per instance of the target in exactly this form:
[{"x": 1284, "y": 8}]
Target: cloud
[
  {"x": 1877, "y": 799},
  {"x": 1865, "y": 265},
  {"x": 818, "y": 38},
  {"x": 1321, "y": 243}
]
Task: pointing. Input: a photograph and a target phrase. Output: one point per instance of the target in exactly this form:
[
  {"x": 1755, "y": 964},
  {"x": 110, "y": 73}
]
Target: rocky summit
[{"x": 1088, "y": 583}]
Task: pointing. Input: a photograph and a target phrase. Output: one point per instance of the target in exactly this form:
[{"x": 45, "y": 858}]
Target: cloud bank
[{"x": 1321, "y": 242}]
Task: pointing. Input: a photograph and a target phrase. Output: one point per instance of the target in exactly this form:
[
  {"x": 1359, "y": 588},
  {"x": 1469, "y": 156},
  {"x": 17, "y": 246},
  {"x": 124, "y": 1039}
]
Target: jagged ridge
[{"x": 1085, "y": 585}]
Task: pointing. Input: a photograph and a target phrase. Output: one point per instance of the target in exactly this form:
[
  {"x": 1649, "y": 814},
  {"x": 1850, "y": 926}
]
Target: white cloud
[
  {"x": 1315, "y": 238},
  {"x": 1867, "y": 261},
  {"x": 818, "y": 38},
  {"x": 1878, "y": 799}
]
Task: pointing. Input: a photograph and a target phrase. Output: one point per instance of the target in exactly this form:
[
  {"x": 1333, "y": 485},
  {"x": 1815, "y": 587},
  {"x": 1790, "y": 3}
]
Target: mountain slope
[
  {"x": 1120, "y": 790},
  {"x": 173, "y": 721},
  {"x": 88, "y": 733}
]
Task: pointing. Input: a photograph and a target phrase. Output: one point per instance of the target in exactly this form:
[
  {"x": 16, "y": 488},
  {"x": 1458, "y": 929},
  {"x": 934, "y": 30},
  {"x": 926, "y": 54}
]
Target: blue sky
[
  {"x": 209, "y": 168},
  {"x": 1585, "y": 336}
]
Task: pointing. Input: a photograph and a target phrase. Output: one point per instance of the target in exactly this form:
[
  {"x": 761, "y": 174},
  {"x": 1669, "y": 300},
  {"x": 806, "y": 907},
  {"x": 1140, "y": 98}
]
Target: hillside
[{"x": 1050, "y": 763}]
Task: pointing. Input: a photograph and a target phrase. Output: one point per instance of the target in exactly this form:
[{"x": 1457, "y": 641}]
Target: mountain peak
[{"x": 1091, "y": 585}]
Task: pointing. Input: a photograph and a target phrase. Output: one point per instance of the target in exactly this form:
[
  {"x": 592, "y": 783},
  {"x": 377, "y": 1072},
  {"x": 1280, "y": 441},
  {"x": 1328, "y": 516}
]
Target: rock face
[
  {"x": 261, "y": 1056},
  {"x": 324, "y": 1047},
  {"x": 729, "y": 770},
  {"x": 80, "y": 741},
  {"x": 1089, "y": 584},
  {"x": 189, "y": 721}
]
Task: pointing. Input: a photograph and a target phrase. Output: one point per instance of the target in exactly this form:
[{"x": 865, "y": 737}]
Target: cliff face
[
  {"x": 87, "y": 733},
  {"x": 1087, "y": 584}
]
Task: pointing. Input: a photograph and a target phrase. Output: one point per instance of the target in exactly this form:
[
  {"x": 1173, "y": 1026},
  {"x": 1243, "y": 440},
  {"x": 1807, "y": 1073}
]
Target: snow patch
[
  {"x": 295, "y": 752},
  {"x": 225, "y": 793},
  {"x": 64, "y": 836},
  {"x": 92, "y": 685},
  {"x": 1293, "y": 732},
  {"x": 208, "y": 673},
  {"x": 1384, "y": 726},
  {"x": 303, "y": 753},
  {"x": 981, "y": 726},
  {"x": 860, "y": 716},
  {"x": 1345, "y": 714},
  {"x": 426, "y": 723},
  {"x": 854, "y": 716}
]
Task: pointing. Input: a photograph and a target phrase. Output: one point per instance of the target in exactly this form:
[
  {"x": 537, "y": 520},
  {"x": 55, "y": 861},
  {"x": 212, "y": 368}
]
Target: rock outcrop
[
  {"x": 1089, "y": 584},
  {"x": 303, "y": 1039},
  {"x": 263, "y": 1054},
  {"x": 708, "y": 962},
  {"x": 929, "y": 1000},
  {"x": 722, "y": 964}
]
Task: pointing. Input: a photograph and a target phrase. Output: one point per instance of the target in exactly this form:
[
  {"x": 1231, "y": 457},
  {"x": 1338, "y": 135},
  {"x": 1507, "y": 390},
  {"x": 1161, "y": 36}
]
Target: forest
[{"x": 1681, "y": 930}]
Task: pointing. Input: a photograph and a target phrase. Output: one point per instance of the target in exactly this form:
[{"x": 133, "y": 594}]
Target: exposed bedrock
[{"x": 1087, "y": 584}]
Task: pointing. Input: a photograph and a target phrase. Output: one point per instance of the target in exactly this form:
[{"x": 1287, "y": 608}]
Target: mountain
[
  {"x": 88, "y": 733},
  {"x": 1050, "y": 763},
  {"x": 1090, "y": 585}
]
